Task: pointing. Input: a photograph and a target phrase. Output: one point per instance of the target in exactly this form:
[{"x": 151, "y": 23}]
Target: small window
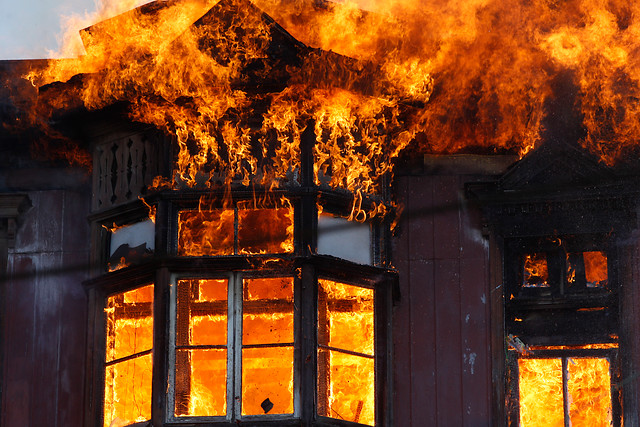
[
  {"x": 568, "y": 386},
  {"x": 346, "y": 357},
  {"x": 128, "y": 364}
]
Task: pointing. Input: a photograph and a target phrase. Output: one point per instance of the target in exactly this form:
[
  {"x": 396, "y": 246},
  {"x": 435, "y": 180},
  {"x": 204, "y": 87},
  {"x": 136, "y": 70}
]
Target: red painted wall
[
  {"x": 442, "y": 363},
  {"x": 45, "y": 313}
]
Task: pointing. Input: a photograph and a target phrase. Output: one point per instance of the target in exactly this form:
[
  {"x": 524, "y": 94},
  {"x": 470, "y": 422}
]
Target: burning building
[{"x": 229, "y": 213}]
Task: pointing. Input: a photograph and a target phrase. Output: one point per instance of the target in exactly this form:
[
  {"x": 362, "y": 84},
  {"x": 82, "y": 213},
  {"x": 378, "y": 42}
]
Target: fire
[
  {"x": 346, "y": 380},
  {"x": 595, "y": 265},
  {"x": 211, "y": 231},
  {"x": 267, "y": 341},
  {"x": 588, "y": 391},
  {"x": 541, "y": 392},
  {"x": 129, "y": 340},
  {"x": 201, "y": 374},
  {"x": 536, "y": 273}
]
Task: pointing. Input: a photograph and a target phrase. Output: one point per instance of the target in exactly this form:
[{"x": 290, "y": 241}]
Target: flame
[
  {"x": 346, "y": 378},
  {"x": 541, "y": 394},
  {"x": 595, "y": 266},
  {"x": 267, "y": 340},
  {"x": 261, "y": 230},
  {"x": 201, "y": 374},
  {"x": 536, "y": 273},
  {"x": 541, "y": 391},
  {"x": 589, "y": 388},
  {"x": 127, "y": 394}
]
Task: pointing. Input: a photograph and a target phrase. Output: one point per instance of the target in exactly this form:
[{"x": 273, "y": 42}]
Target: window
[
  {"x": 561, "y": 331},
  {"x": 242, "y": 322},
  {"x": 258, "y": 327},
  {"x": 565, "y": 386},
  {"x": 128, "y": 364}
]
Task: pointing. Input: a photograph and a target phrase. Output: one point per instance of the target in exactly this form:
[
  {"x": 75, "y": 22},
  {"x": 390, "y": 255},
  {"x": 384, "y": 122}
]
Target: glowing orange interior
[
  {"x": 595, "y": 268},
  {"x": 201, "y": 373},
  {"x": 536, "y": 273},
  {"x": 265, "y": 230},
  {"x": 542, "y": 397},
  {"x": 205, "y": 232},
  {"x": 346, "y": 375},
  {"x": 127, "y": 392},
  {"x": 267, "y": 340},
  {"x": 212, "y": 232},
  {"x": 589, "y": 388}
]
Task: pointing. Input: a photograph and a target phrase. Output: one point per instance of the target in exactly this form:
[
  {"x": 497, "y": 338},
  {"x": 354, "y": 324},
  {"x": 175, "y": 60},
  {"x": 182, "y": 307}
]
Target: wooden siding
[
  {"x": 45, "y": 313},
  {"x": 442, "y": 362}
]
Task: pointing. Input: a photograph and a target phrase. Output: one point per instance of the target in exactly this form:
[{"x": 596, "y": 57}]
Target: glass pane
[
  {"x": 344, "y": 239},
  {"x": 201, "y": 382},
  {"x": 127, "y": 392},
  {"x": 346, "y": 387},
  {"x": 265, "y": 230},
  {"x": 267, "y": 380},
  {"x": 595, "y": 268},
  {"x": 536, "y": 273},
  {"x": 206, "y": 232},
  {"x": 267, "y": 311},
  {"x": 129, "y": 317},
  {"x": 589, "y": 386},
  {"x": 130, "y": 244},
  {"x": 541, "y": 402},
  {"x": 201, "y": 312},
  {"x": 345, "y": 317}
]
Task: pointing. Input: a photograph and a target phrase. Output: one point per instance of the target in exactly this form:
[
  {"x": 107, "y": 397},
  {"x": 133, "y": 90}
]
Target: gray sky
[{"x": 34, "y": 28}]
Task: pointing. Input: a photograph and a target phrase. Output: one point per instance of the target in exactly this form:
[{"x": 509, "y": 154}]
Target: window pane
[
  {"x": 351, "y": 392},
  {"x": 201, "y": 374},
  {"x": 536, "y": 272},
  {"x": 265, "y": 230},
  {"x": 344, "y": 239},
  {"x": 346, "y": 381},
  {"x": 201, "y": 312},
  {"x": 206, "y": 232},
  {"x": 595, "y": 268},
  {"x": 267, "y": 311},
  {"x": 201, "y": 382},
  {"x": 127, "y": 394},
  {"x": 589, "y": 386},
  {"x": 267, "y": 379},
  {"x": 345, "y": 316},
  {"x": 129, "y": 323},
  {"x": 541, "y": 401}
]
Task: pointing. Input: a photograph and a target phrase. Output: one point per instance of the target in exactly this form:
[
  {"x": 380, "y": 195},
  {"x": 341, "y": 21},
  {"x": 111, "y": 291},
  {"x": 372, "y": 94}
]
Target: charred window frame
[
  {"x": 556, "y": 373},
  {"x": 561, "y": 306},
  {"x": 164, "y": 267}
]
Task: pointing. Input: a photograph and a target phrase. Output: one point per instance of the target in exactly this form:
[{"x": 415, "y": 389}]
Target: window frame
[
  {"x": 303, "y": 264},
  {"x": 513, "y": 375},
  {"x": 235, "y": 280}
]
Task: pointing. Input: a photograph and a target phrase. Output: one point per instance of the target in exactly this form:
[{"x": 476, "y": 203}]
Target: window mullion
[
  {"x": 565, "y": 392},
  {"x": 235, "y": 344}
]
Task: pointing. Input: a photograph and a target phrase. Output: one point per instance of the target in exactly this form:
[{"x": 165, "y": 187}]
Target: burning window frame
[
  {"x": 566, "y": 355},
  {"x": 165, "y": 266}
]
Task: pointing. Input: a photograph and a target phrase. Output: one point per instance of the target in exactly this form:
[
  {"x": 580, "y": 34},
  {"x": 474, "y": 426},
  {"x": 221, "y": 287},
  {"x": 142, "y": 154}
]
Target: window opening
[
  {"x": 267, "y": 346},
  {"x": 346, "y": 358},
  {"x": 128, "y": 362},
  {"x": 240, "y": 230},
  {"x": 231, "y": 334},
  {"x": 201, "y": 348},
  {"x": 565, "y": 390}
]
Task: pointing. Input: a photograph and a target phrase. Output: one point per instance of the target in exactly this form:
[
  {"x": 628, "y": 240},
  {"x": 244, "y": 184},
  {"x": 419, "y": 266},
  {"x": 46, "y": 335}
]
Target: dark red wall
[
  {"x": 45, "y": 313},
  {"x": 442, "y": 364}
]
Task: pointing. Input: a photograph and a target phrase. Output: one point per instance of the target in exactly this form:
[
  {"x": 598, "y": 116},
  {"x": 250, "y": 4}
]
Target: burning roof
[{"x": 446, "y": 77}]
